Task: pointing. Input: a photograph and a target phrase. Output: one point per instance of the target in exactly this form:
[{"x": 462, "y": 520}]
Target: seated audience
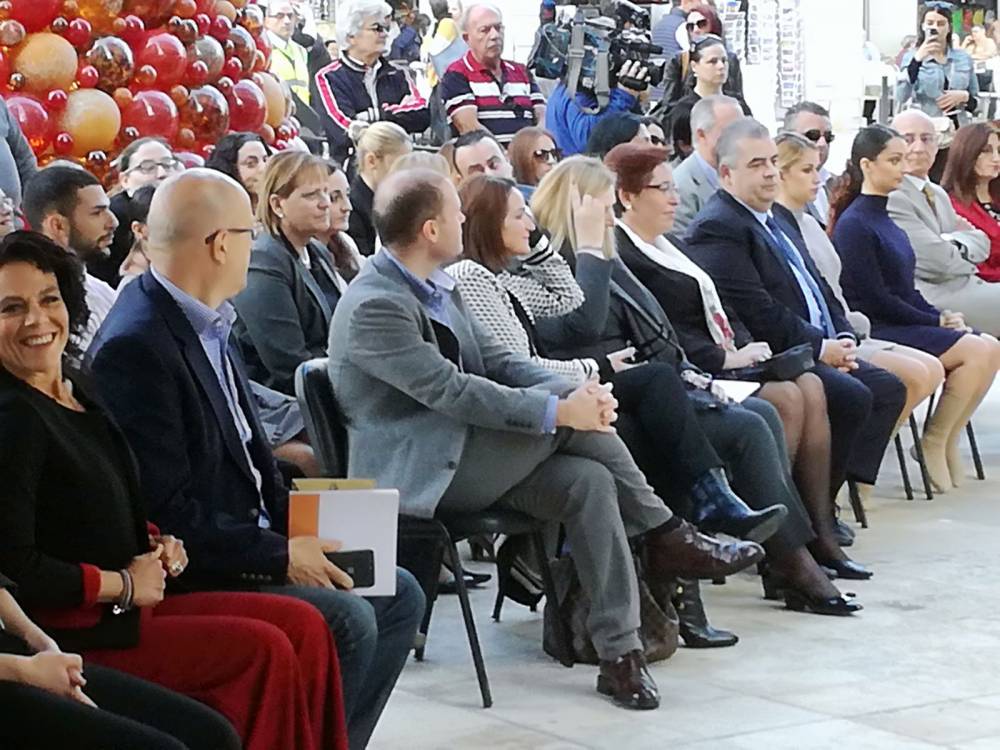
[
  {"x": 497, "y": 430},
  {"x": 812, "y": 121},
  {"x": 532, "y": 153},
  {"x": 801, "y": 182},
  {"x": 291, "y": 289},
  {"x": 657, "y": 136},
  {"x": 145, "y": 161},
  {"x": 378, "y": 146},
  {"x": 478, "y": 152},
  {"x": 878, "y": 280},
  {"x": 623, "y": 127},
  {"x": 697, "y": 177},
  {"x": 482, "y": 90},
  {"x": 970, "y": 178},
  {"x": 947, "y": 247},
  {"x": 619, "y": 310},
  {"x": 759, "y": 264},
  {"x": 362, "y": 86},
  {"x": 344, "y": 252},
  {"x": 70, "y": 207},
  {"x": 41, "y": 690},
  {"x": 242, "y": 156},
  {"x": 73, "y": 532},
  {"x": 136, "y": 262},
  {"x": 714, "y": 338},
  {"x": 181, "y": 397}
]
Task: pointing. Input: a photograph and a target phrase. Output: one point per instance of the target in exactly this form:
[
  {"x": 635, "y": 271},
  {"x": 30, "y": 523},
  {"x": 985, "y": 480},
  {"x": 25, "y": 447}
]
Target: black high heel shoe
[
  {"x": 775, "y": 584},
  {"x": 837, "y": 606},
  {"x": 847, "y": 569},
  {"x": 694, "y": 627}
]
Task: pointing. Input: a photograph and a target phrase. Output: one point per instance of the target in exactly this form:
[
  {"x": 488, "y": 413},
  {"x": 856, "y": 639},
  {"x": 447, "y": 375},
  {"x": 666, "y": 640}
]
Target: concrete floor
[{"x": 916, "y": 669}]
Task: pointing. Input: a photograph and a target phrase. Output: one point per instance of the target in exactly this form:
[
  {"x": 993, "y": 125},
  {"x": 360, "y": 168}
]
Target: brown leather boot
[
  {"x": 628, "y": 682},
  {"x": 687, "y": 553}
]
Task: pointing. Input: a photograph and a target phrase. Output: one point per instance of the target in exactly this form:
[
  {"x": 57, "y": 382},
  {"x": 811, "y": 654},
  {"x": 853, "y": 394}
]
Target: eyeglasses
[
  {"x": 252, "y": 231},
  {"x": 550, "y": 155},
  {"x": 814, "y": 135},
  {"x": 379, "y": 28},
  {"x": 282, "y": 15},
  {"x": 664, "y": 187},
  {"x": 928, "y": 139},
  {"x": 149, "y": 166}
]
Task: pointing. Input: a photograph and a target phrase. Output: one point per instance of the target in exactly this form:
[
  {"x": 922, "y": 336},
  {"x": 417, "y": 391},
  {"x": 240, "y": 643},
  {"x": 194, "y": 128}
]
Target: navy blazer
[
  {"x": 152, "y": 372},
  {"x": 754, "y": 277}
]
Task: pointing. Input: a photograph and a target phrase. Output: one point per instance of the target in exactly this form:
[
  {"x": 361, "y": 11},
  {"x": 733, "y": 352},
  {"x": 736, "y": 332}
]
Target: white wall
[{"x": 891, "y": 20}]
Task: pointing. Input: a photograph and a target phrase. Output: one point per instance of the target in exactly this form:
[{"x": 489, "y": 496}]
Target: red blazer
[{"x": 976, "y": 215}]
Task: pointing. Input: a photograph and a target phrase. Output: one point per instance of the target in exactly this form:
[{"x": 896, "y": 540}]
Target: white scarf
[{"x": 664, "y": 254}]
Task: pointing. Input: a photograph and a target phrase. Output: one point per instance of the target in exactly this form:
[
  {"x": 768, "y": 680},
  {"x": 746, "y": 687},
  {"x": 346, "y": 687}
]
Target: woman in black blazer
[
  {"x": 715, "y": 339},
  {"x": 293, "y": 285}
]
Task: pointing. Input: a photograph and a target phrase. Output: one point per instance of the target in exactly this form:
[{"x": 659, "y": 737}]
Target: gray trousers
[
  {"x": 976, "y": 299},
  {"x": 588, "y": 482}
]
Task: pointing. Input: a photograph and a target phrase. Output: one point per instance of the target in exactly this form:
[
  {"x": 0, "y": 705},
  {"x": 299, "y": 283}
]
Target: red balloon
[
  {"x": 197, "y": 73},
  {"x": 87, "y": 77},
  {"x": 167, "y": 56},
  {"x": 134, "y": 30},
  {"x": 233, "y": 68},
  {"x": 79, "y": 32},
  {"x": 35, "y": 15},
  {"x": 152, "y": 113},
  {"x": 153, "y": 12},
  {"x": 34, "y": 120},
  {"x": 244, "y": 46},
  {"x": 264, "y": 45},
  {"x": 63, "y": 144},
  {"x": 247, "y": 106},
  {"x": 220, "y": 28},
  {"x": 209, "y": 51},
  {"x": 204, "y": 22},
  {"x": 206, "y": 114},
  {"x": 4, "y": 71}
]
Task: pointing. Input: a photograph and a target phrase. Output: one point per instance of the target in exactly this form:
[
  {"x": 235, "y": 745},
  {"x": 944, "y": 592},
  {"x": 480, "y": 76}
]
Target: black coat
[{"x": 361, "y": 225}]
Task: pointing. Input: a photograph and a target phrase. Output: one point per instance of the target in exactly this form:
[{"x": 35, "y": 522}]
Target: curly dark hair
[
  {"x": 226, "y": 154},
  {"x": 48, "y": 257}
]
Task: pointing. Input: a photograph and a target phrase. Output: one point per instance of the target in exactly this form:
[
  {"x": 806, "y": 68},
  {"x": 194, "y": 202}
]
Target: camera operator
[{"x": 570, "y": 119}]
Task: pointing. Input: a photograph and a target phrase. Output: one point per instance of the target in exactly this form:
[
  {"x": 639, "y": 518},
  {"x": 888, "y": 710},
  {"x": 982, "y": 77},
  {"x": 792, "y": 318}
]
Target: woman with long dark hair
[
  {"x": 878, "y": 280},
  {"x": 972, "y": 179},
  {"x": 242, "y": 156}
]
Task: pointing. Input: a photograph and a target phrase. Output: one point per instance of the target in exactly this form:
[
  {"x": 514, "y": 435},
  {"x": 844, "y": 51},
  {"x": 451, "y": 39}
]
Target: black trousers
[
  {"x": 864, "y": 406},
  {"x": 671, "y": 439},
  {"x": 133, "y": 715}
]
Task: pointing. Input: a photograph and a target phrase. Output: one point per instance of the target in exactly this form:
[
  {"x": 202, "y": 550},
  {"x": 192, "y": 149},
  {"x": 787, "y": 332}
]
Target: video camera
[{"x": 589, "y": 51}]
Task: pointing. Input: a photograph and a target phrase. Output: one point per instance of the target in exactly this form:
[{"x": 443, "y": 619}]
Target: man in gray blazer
[
  {"x": 438, "y": 408},
  {"x": 697, "y": 177},
  {"x": 946, "y": 245}
]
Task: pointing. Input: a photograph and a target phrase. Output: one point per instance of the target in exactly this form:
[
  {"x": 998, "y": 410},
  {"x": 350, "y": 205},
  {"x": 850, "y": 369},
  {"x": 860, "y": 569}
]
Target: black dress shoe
[
  {"x": 472, "y": 581},
  {"x": 694, "y": 626},
  {"x": 847, "y": 569},
  {"x": 843, "y": 533},
  {"x": 718, "y": 509},
  {"x": 628, "y": 681},
  {"x": 838, "y": 606}
]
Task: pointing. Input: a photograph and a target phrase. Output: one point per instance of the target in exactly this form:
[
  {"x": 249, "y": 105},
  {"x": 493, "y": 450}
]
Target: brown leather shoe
[
  {"x": 628, "y": 682},
  {"x": 687, "y": 553}
]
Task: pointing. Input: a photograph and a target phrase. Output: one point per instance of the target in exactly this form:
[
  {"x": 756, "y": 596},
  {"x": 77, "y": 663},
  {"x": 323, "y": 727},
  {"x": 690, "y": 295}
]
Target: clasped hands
[{"x": 590, "y": 408}]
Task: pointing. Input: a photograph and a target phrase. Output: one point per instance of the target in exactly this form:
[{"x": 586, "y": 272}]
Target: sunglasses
[
  {"x": 700, "y": 24},
  {"x": 550, "y": 155},
  {"x": 379, "y": 28},
  {"x": 814, "y": 135}
]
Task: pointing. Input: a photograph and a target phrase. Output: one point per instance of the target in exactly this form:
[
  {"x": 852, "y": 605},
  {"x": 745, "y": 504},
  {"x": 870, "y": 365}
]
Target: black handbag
[{"x": 786, "y": 365}]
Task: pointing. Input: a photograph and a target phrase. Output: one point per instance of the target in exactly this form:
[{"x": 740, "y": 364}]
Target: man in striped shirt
[{"x": 483, "y": 91}]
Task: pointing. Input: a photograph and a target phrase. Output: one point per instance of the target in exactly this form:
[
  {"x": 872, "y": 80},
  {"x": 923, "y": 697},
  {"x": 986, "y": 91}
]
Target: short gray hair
[
  {"x": 918, "y": 113},
  {"x": 703, "y": 113},
  {"x": 467, "y": 12},
  {"x": 352, "y": 16},
  {"x": 746, "y": 128},
  {"x": 793, "y": 112}
]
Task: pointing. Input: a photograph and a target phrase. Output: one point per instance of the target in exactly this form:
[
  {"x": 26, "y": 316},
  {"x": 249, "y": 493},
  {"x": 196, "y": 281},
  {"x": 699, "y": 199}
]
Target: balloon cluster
[{"x": 86, "y": 77}]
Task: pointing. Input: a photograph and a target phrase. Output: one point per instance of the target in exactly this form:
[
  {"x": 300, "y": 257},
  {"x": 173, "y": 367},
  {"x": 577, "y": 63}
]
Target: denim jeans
[{"x": 373, "y": 637}]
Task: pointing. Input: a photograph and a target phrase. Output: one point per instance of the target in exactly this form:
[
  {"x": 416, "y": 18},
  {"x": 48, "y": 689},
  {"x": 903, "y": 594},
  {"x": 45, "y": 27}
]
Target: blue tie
[{"x": 793, "y": 257}]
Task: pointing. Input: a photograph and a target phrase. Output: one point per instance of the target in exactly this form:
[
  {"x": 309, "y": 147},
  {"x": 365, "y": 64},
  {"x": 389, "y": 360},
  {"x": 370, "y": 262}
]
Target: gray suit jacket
[
  {"x": 694, "y": 193},
  {"x": 940, "y": 261},
  {"x": 409, "y": 405}
]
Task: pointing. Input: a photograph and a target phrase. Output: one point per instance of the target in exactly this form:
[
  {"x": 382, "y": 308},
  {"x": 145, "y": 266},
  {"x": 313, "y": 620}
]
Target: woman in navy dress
[{"x": 878, "y": 280}]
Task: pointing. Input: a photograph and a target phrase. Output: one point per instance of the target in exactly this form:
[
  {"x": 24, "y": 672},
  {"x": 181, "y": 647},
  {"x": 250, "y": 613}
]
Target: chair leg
[
  {"x": 901, "y": 457},
  {"x": 856, "y": 505},
  {"x": 470, "y": 624},
  {"x": 498, "y": 604},
  {"x": 431, "y": 591},
  {"x": 919, "y": 448},
  {"x": 974, "y": 445},
  {"x": 549, "y": 583}
]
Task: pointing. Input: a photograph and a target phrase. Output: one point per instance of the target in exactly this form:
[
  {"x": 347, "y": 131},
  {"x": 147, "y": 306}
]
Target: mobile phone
[
  {"x": 359, "y": 564},
  {"x": 931, "y": 31}
]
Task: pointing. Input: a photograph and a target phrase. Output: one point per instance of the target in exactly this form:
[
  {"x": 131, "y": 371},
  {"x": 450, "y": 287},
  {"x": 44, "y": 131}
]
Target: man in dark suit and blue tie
[{"x": 760, "y": 265}]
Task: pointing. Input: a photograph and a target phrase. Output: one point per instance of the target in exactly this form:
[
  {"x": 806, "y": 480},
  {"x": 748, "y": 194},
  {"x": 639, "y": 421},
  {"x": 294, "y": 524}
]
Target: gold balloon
[
  {"x": 225, "y": 8},
  {"x": 274, "y": 97},
  {"x": 93, "y": 119},
  {"x": 100, "y": 13},
  {"x": 47, "y": 61}
]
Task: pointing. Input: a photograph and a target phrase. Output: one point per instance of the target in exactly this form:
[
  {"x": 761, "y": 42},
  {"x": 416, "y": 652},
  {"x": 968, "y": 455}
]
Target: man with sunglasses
[
  {"x": 813, "y": 121},
  {"x": 362, "y": 86}
]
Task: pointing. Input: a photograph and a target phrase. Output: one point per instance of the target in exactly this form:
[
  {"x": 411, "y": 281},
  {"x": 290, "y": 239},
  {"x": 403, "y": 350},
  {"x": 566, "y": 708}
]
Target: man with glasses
[
  {"x": 947, "y": 247},
  {"x": 813, "y": 121},
  {"x": 483, "y": 91},
  {"x": 362, "y": 86},
  {"x": 289, "y": 60}
]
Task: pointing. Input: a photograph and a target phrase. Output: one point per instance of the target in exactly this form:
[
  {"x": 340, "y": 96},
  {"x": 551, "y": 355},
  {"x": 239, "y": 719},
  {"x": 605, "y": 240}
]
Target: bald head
[
  {"x": 200, "y": 231},
  {"x": 921, "y": 136}
]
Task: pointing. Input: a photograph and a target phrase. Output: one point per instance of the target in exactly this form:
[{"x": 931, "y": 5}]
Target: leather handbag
[
  {"x": 786, "y": 365},
  {"x": 659, "y": 624}
]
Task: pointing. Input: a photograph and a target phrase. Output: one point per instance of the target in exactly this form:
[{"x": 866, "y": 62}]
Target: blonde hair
[
  {"x": 552, "y": 202},
  {"x": 380, "y": 138},
  {"x": 791, "y": 147},
  {"x": 422, "y": 160},
  {"x": 285, "y": 172}
]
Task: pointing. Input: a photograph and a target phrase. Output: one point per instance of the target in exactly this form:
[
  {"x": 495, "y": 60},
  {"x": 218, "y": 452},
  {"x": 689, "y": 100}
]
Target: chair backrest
[{"x": 323, "y": 417}]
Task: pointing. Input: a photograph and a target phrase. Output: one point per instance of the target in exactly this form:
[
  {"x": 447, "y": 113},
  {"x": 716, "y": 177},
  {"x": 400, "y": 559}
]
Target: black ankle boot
[
  {"x": 718, "y": 509},
  {"x": 694, "y": 626}
]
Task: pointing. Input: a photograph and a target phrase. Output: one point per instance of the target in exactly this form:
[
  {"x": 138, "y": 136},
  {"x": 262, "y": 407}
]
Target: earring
[{"x": 627, "y": 207}]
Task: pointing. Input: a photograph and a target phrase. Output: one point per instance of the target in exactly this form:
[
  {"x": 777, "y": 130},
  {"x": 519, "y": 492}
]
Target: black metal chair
[
  {"x": 918, "y": 449},
  {"x": 436, "y": 537}
]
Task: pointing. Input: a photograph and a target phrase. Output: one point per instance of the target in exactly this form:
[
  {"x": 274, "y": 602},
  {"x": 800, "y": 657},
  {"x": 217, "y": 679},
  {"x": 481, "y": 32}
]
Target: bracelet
[{"x": 124, "y": 603}]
